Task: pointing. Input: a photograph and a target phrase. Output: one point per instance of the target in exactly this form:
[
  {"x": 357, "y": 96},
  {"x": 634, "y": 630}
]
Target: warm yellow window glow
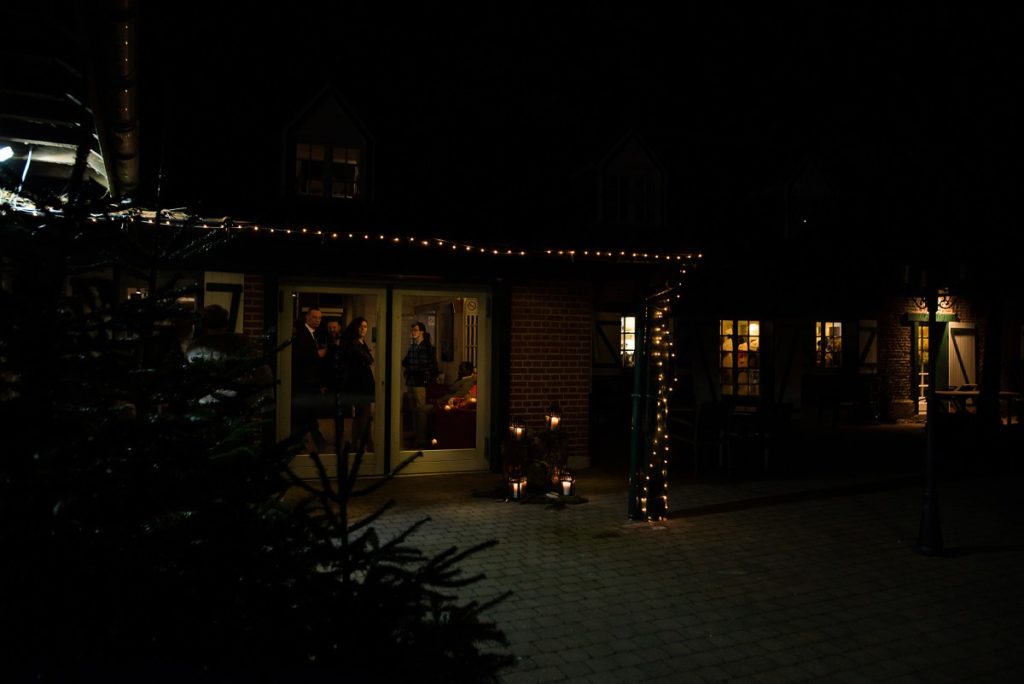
[
  {"x": 627, "y": 341},
  {"x": 739, "y": 350},
  {"x": 828, "y": 340}
]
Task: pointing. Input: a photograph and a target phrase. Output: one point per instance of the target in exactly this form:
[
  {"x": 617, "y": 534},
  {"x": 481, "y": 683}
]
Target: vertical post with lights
[{"x": 648, "y": 484}]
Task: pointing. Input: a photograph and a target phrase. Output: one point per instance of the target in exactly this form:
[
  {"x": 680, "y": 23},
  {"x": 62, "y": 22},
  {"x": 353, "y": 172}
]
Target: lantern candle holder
[
  {"x": 566, "y": 483},
  {"x": 516, "y": 429},
  {"x": 553, "y": 417},
  {"x": 516, "y": 485}
]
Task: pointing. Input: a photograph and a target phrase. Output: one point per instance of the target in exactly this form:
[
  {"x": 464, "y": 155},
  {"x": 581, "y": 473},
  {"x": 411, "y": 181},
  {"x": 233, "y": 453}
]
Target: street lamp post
[{"x": 929, "y": 538}]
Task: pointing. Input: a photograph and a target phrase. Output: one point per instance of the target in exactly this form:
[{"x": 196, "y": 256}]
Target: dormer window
[
  {"x": 631, "y": 186},
  {"x": 632, "y": 200},
  {"x": 328, "y": 170},
  {"x": 327, "y": 153}
]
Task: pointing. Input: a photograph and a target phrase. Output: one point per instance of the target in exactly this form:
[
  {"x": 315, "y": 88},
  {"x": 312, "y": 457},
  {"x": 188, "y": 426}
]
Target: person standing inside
[
  {"x": 308, "y": 388},
  {"x": 420, "y": 368},
  {"x": 331, "y": 364},
  {"x": 357, "y": 379}
]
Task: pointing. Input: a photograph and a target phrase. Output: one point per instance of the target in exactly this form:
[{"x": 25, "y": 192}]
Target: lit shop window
[{"x": 739, "y": 343}]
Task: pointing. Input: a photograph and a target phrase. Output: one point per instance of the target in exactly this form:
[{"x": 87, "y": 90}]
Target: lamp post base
[{"x": 929, "y": 537}]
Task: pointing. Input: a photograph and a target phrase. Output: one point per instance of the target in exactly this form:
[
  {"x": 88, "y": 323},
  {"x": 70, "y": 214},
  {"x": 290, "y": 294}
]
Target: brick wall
[
  {"x": 552, "y": 329},
  {"x": 895, "y": 362},
  {"x": 253, "y": 323}
]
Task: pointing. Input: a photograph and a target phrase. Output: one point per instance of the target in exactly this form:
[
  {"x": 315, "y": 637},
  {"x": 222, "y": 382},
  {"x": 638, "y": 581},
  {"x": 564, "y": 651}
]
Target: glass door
[
  {"x": 332, "y": 374},
  {"x": 440, "y": 358},
  {"x": 922, "y": 361}
]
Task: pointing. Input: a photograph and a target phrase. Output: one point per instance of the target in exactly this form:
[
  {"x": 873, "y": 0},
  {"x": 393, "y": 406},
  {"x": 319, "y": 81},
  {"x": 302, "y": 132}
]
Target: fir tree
[{"x": 142, "y": 517}]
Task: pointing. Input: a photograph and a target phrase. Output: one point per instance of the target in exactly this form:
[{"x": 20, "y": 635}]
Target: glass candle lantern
[
  {"x": 553, "y": 417},
  {"x": 566, "y": 483},
  {"x": 516, "y": 429}
]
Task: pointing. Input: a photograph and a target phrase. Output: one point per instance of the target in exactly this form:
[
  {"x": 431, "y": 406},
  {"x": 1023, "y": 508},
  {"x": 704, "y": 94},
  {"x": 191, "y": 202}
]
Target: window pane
[
  {"x": 828, "y": 343},
  {"x": 627, "y": 340}
]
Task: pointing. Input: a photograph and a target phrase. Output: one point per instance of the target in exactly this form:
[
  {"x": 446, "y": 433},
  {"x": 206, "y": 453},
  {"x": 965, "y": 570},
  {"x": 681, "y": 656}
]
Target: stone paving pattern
[{"x": 768, "y": 579}]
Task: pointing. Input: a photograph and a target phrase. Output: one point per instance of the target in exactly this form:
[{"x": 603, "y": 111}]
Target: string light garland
[
  {"x": 180, "y": 219},
  {"x": 682, "y": 258},
  {"x": 654, "y": 495}
]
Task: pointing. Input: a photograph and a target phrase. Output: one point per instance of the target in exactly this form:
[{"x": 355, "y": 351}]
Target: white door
[
  {"x": 961, "y": 356},
  {"x": 341, "y": 304},
  {"x": 450, "y": 427}
]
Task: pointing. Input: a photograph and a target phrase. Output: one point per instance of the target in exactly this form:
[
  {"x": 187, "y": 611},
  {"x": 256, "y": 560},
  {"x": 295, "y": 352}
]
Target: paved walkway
[{"x": 763, "y": 580}]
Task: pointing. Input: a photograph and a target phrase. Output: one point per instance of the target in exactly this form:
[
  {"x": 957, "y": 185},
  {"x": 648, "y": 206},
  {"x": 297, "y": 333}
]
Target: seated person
[{"x": 463, "y": 389}]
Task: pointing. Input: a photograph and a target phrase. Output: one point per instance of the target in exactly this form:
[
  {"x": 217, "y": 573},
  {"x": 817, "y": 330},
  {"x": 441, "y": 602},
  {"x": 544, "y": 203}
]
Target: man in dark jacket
[{"x": 309, "y": 394}]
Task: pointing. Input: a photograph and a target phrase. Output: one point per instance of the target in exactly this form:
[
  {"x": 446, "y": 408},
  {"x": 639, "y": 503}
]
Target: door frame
[
  {"x": 440, "y": 460},
  {"x": 375, "y": 463}
]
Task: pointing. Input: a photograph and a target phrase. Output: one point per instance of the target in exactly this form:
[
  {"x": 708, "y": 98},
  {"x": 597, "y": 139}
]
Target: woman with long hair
[{"x": 357, "y": 379}]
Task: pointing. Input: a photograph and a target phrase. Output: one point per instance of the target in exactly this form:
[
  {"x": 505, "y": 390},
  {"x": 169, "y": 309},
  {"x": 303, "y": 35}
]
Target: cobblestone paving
[{"x": 760, "y": 581}]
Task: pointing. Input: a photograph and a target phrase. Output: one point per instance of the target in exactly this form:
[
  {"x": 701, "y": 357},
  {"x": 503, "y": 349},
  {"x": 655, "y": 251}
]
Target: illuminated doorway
[
  {"x": 441, "y": 408},
  {"x": 921, "y": 360},
  {"x": 310, "y": 387},
  {"x": 450, "y": 423}
]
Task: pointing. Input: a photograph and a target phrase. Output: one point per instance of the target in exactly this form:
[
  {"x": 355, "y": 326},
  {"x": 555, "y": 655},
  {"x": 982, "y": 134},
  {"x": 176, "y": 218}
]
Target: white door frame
[
  {"x": 303, "y": 465},
  {"x": 440, "y": 460}
]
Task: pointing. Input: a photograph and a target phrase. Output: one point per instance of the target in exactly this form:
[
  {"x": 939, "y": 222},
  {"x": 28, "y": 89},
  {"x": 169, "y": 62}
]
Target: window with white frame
[
  {"x": 328, "y": 170},
  {"x": 627, "y": 341},
  {"x": 739, "y": 355},
  {"x": 828, "y": 341}
]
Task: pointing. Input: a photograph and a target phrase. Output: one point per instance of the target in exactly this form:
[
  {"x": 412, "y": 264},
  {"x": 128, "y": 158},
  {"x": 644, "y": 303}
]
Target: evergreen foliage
[{"x": 142, "y": 521}]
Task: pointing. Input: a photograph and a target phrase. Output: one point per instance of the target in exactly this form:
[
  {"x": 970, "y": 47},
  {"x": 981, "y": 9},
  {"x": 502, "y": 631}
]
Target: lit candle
[
  {"x": 516, "y": 429},
  {"x": 566, "y": 488}
]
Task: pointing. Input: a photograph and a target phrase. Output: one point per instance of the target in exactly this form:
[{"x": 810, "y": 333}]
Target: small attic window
[
  {"x": 328, "y": 170},
  {"x": 631, "y": 200}
]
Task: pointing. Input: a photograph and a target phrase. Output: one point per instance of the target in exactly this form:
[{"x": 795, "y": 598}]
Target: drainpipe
[{"x": 114, "y": 91}]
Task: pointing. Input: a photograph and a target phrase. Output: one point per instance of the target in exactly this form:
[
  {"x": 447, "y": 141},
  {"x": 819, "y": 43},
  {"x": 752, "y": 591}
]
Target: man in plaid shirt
[{"x": 420, "y": 364}]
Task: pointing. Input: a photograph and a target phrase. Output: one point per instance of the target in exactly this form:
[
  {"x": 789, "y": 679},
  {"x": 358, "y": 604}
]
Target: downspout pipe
[
  {"x": 638, "y": 431},
  {"x": 114, "y": 91}
]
